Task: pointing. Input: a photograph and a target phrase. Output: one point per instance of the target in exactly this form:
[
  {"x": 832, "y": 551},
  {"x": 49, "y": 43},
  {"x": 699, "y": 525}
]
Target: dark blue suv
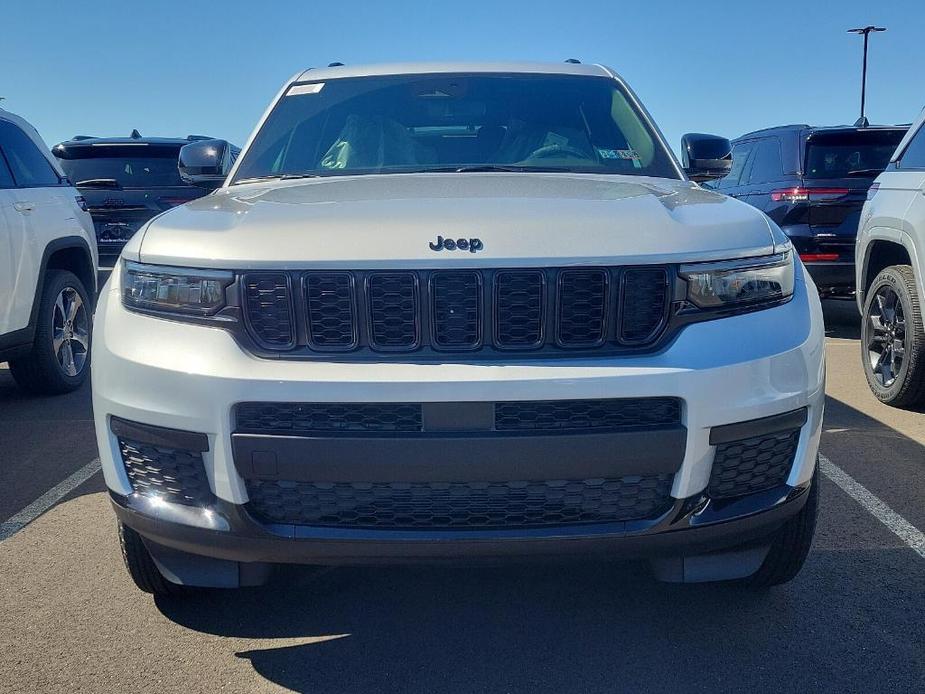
[
  {"x": 813, "y": 182},
  {"x": 125, "y": 181}
]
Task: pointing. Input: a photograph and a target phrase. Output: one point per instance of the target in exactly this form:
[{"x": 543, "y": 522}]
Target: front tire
[
  {"x": 141, "y": 566},
  {"x": 791, "y": 544},
  {"x": 893, "y": 338},
  {"x": 60, "y": 356}
]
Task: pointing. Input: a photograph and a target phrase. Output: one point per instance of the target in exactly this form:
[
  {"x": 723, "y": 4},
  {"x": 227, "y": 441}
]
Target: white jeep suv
[
  {"x": 47, "y": 265},
  {"x": 459, "y": 311},
  {"x": 891, "y": 275}
]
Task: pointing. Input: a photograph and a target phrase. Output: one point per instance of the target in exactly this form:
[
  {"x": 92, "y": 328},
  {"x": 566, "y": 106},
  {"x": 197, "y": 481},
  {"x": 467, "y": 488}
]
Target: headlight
[
  {"x": 735, "y": 283},
  {"x": 174, "y": 290}
]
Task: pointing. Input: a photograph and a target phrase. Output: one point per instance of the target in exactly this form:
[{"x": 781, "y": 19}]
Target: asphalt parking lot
[{"x": 854, "y": 620}]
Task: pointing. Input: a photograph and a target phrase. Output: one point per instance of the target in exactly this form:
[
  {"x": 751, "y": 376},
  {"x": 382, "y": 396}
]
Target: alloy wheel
[
  {"x": 886, "y": 335},
  {"x": 70, "y": 331}
]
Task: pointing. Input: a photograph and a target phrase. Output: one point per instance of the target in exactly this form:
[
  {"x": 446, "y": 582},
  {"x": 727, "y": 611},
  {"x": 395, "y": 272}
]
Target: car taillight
[
  {"x": 818, "y": 257},
  {"x": 872, "y": 191},
  {"x": 800, "y": 194},
  {"x": 82, "y": 203}
]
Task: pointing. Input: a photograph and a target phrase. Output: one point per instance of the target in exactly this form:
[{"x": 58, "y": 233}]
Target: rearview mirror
[
  {"x": 206, "y": 163},
  {"x": 705, "y": 157}
]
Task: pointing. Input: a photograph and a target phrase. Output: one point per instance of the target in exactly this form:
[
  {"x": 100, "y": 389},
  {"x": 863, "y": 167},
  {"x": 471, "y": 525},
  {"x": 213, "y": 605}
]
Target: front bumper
[
  {"x": 694, "y": 526},
  {"x": 725, "y": 372}
]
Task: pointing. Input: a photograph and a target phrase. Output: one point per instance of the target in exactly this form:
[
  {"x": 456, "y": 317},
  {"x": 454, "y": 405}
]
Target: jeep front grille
[{"x": 549, "y": 311}]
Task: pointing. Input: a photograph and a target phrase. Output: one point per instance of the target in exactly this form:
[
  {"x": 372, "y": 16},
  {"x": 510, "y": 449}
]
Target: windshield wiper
[
  {"x": 277, "y": 177},
  {"x": 98, "y": 183},
  {"x": 480, "y": 168},
  {"x": 864, "y": 172}
]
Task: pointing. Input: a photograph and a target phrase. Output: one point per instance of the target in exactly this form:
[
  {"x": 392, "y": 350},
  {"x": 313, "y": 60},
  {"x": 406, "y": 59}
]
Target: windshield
[
  {"x": 136, "y": 166},
  {"x": 411, "y": 123},
  {"x": 862, "y": 154}
]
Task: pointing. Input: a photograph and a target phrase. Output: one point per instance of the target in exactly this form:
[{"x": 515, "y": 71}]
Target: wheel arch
[
  {"x": 72, "y": 254},
  {"x": 69, "y": 253},
  {"x": 883, "y": 250},
  {"x": 66, "y": 253}
]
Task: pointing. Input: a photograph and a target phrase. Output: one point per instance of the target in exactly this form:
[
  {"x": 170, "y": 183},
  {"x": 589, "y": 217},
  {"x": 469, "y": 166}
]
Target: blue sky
[{"x": 175, "y": 68}]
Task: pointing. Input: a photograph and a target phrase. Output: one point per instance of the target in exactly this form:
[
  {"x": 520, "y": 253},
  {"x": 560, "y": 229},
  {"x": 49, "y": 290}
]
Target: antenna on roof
[
  {"x": 135, "y": 134},
  {"x": 573, "y": 61},
  {"x": 335, "y": 64}
]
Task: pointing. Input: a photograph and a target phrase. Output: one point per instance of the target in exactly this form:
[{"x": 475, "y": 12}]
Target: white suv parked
[
  {"x": 47, "y": 265},
  {"x": 444, "y": 311},
  {"x": 891, "y": 275}
]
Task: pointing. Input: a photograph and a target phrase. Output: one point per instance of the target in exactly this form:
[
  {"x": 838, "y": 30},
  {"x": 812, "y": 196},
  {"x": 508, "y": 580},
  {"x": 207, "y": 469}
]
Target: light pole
[{"x": 866, "y": 31}]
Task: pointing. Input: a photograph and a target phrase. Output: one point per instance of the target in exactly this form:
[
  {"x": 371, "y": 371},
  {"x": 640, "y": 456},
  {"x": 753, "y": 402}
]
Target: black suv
[
  {"x": 125, "y": 181},
  {"x": 813, "y": 182}
]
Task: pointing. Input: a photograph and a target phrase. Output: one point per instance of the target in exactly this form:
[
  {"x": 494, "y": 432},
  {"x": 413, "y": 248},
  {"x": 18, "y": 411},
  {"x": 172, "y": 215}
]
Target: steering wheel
[{"x": 557, "y": 151}]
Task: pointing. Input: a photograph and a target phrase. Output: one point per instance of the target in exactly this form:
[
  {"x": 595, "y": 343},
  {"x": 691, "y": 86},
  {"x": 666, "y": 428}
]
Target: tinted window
[
  {"x": 740, "y": 154},
  {"x": 767, "y": 166},
  {"x": 125, "y": 166},
  {"x": 850, "y": 154},
  {"x": 914, "y": 156},
  {"x": 29, "y": 166},
  {"x": 407, "y": 123}
]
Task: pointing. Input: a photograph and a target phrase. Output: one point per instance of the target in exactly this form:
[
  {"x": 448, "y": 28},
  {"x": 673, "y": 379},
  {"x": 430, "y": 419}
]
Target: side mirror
[
  {"x": 705, "y": 157},
  {"x": 206, "y": 163}
]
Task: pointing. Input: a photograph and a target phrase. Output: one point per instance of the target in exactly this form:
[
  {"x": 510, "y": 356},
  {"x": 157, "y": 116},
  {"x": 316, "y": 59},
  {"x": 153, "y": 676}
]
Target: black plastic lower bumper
[{"x": 691, "y": 527}]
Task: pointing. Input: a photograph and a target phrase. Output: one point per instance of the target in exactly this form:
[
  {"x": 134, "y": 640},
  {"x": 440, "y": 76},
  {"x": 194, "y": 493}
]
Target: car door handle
[{"x": 24, "y": 207}]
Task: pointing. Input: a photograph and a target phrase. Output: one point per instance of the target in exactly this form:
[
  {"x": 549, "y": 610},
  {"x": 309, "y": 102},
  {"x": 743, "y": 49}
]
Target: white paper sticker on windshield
[
  {"x": 299, "y": 89},
  {"x": 630, "y": 154}
]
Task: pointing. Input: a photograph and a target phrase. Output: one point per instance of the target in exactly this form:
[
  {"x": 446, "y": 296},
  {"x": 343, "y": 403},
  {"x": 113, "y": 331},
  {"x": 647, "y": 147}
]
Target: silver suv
[
  {"x": 444, "y": 311},
  {"x": 891, "y": 275}
]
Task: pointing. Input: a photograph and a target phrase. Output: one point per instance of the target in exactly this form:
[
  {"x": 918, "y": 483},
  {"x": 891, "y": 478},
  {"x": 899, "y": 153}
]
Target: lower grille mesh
[
  {"x": 309, "y": 417},
  {"x": 752, "y": 465},
  {"x": 170, "y": 474},
  {"x": 436, "y": 505},
  {"x": 578, "y": 415}
]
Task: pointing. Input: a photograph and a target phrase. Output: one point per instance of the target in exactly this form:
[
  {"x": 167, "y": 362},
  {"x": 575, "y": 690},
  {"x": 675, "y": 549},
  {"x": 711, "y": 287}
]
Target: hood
[{"x": 392, "y": 220}]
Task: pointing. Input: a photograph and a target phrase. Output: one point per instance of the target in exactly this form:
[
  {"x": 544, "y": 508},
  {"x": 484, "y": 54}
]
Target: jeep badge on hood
[{"x": 471, "y": 245}]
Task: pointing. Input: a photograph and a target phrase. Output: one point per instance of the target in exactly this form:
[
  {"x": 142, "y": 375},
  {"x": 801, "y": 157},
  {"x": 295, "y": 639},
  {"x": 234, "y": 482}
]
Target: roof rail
[
  {"x": 196, "y": 138},
  {"x": 78, "y": 138},
  {"x": 573, "y": 61},
  {"x": 335, "y": 64},
  {"x": 776, "y": 127}
]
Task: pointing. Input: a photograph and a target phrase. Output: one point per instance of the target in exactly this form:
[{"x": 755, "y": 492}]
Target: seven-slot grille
[{"x": 566, "y": 309}]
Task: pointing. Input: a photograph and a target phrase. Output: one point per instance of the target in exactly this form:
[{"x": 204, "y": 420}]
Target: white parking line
[
  {"x": 898, "y": 525},
  {"x": 48, "y": 499}
]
